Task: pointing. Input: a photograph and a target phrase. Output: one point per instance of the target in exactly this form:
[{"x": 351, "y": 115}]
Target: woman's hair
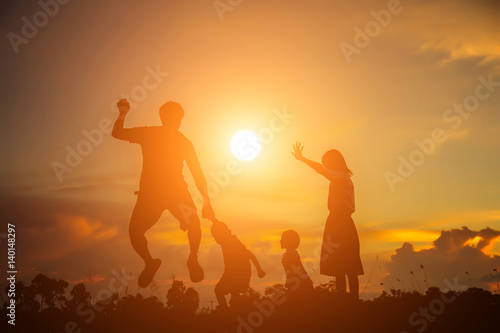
[
  {"x": 290, "y": 238},
  {"x": 334, "y": 160}
]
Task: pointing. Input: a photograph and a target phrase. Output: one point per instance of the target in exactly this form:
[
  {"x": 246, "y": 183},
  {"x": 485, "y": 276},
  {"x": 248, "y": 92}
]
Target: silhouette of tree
[
  {"x": 79, "y": 294},
  {"x": 271, "y": 291},
  {"x": 51, "y": 291},
  {"x": 175, "y": 294},
  {"x": 26, "y": 296},
  {"x": 473, "y": 310},
  {"x": 180, "y": 298},
  {"x": 191, "y": 300},
  {"x": 329, "y": 286}
]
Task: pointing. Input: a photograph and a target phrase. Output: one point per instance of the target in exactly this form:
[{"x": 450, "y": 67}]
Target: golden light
[
  {"x": 490, "y": 249},
  {"x": 473, "y": 241},
  {"x": 245, "y": 145},
  {"x": 411, "y": 235}
]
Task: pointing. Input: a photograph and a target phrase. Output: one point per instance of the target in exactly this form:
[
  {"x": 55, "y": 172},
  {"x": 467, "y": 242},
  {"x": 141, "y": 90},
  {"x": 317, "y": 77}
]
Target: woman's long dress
[{"x": 340, "y": 251}]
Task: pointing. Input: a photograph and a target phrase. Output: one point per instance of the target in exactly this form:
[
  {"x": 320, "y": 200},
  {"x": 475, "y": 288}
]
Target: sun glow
[{"x": 245, "y": 145}]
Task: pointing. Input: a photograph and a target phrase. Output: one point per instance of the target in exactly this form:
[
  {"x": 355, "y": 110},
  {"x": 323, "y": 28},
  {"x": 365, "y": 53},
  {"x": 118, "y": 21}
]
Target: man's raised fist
[{"x": 123, "y": 106}]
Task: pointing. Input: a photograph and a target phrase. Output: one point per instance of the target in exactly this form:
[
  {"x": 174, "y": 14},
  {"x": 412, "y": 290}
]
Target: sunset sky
[{"x": 237, "y": 70}]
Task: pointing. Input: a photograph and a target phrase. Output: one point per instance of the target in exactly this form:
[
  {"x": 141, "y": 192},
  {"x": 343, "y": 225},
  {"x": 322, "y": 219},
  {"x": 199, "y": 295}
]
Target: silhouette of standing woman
[{"x": 340, "y": 250}]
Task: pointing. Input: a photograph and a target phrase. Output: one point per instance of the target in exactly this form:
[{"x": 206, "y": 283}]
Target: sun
[{"x": 245, "y": 145}]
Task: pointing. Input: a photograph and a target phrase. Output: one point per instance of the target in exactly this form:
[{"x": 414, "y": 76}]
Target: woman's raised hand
[{"x": 297, "y": 150}]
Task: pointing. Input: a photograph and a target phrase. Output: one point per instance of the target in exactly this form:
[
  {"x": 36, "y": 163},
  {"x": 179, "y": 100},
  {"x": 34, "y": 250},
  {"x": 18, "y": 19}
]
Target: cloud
[
  {"x": 469, "y": 31},
  {"x": 457, "y": 253},
  {"x": 464, "y": 216},
  {"x": 71, "y": 233},
  {"x": 52, "y": 233}
]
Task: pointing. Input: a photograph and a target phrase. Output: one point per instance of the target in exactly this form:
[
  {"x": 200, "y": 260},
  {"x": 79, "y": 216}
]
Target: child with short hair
[
  {"x": 297, "y": 279},
  {"x": 237, "y": 267}
]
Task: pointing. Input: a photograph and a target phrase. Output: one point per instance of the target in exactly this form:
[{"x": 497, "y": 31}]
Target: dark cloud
[
  {"x": 484, "y": 4},
  {"x": 457, "y": 253},
  {"x": 50, "y": 232},
  {"x": 487, "y": 4},
  {"x": 39, "y": 212}
]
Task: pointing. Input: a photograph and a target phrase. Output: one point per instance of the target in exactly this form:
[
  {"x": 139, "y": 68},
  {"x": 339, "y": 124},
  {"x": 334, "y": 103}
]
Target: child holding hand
[{"x": 237, "y": 267}]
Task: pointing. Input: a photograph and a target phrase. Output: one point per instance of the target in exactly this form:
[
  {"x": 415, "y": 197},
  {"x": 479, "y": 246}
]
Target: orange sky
[{"x": 263, "y": 58}]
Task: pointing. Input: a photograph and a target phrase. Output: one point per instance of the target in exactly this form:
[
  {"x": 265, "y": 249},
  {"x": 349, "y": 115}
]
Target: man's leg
[
  {"x": 220, "y": 294},
  {"x": 194, "y": 237},
  {"x": 187, "y": 215},
  {"x": 143, "y": 218}
]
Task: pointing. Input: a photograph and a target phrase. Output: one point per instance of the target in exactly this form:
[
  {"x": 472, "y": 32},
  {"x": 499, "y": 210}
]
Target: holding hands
[{"x": 208, "y": 212}]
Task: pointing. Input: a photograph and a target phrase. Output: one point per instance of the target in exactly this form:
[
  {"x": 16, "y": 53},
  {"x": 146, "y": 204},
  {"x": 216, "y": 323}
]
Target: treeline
[{"x": 47, "y": 305}]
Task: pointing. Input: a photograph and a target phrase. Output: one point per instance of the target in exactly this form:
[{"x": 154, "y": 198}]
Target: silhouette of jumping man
[
  {"x": 340, "y": 250},
  {"x": 162, "y": 185},
  {"x": 297, "y": 280},
  {"x": 237, "y": 267}
]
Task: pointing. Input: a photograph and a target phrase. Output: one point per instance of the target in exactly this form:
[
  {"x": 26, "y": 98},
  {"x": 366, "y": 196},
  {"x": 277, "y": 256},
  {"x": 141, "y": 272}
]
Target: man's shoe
[
  {"x": 196, "y": 273},
  {"x": 148, "y": 273}
]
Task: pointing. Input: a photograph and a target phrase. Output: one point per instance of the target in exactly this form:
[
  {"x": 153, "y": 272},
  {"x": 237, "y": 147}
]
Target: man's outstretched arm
[
  {"x": 253, "y": 259},
  {"x": 118, "y": 131},
  {"x": 201, "y": 183}
]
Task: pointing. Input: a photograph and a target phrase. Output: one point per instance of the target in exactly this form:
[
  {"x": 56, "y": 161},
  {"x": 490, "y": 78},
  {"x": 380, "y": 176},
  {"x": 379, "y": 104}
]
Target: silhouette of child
[
  {"x": 297, "y": 279},
  {"x": 237, "y": 267}
]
